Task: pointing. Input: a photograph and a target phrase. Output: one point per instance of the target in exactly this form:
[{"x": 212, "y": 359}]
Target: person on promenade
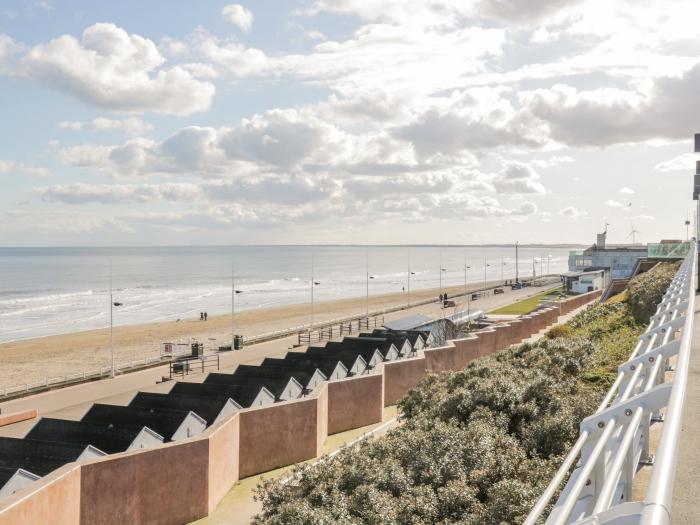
[
  {"x": 201, "y": 316},
  {"x": 205, "y": 316}
]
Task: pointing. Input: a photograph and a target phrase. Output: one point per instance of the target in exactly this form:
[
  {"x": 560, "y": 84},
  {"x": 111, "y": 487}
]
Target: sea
[{"x": 49, "y": 291}]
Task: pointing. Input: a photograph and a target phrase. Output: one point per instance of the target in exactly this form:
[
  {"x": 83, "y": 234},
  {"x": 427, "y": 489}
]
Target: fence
[
  {"x": 339, "y": 330},
  {"x": 183, "y": 366},
  {"x": 615, "y": 440}
]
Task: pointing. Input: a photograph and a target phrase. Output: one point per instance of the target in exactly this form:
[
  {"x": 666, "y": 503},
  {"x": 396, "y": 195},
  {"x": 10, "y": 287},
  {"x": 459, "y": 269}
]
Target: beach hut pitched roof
[
  {"x": 276, "y": 385},
  {"x": 165, "y": 422},
  {"x": 209, "y": 408},
  {"x": 244, "y": 395},
  {"x": 38, "y": 456},
  {"x": 107, "y": 437},
  {"x": 327, "y": 364}
]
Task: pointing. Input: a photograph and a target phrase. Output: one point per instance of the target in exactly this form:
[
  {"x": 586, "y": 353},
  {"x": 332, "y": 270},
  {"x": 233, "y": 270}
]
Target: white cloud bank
[{"x": 238, "y": 16}]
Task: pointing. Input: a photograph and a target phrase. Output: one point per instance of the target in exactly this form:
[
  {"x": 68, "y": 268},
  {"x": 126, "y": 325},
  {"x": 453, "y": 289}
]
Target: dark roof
[
  {"x": 207, "y": 407},
  {"x": 396, "y": 337},
  {"x": 109, "y": 438},
  {"x": 164, "y": 421},
  {"x": 273, "y": 384},
  {"x": 382, "y": 344},
  {"x": 38, "y": 457},
  {"x": 325, "y": 363},
  {"x": 299, "y": 366},
  {"x": 365, "y": 350},
  {"x": 244, "y": 395},
  {"x": 411, "y": 334},
  {"x": 347, "y": 356},
  {"x": 274, "y": 372}
]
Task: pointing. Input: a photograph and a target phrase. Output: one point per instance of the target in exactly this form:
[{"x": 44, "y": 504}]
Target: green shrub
[
  {"x": 476, "y": 446},
  {"x": 646, "y": 290},
  {"x": 560, "y": 330}
]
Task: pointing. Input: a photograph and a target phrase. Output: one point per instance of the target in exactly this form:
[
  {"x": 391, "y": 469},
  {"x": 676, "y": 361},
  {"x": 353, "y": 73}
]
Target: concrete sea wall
[{"x": 183, "y": 481}]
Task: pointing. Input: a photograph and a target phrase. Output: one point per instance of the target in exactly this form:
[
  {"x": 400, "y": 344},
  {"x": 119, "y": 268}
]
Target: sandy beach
[{"x": 35, "y": 359}]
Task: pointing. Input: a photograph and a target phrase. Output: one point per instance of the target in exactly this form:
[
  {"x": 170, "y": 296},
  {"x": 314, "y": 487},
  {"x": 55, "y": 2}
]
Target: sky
[{"x": 170, "y": 122}]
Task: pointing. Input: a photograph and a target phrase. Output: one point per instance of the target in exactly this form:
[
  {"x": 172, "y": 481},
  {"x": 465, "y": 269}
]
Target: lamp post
[
  {"x": 234, "y": 292},
  {"x": 516, "y": 262},
  {"x": 466, "y": 293},
  {"x": 112, "y": 304},
  {"x": 408, "y": 275},
  {"x": 503, "y": 263},
  {"x": 549, "y": 259},
  {"x": 486, "y": 265},
  {"x": 313, "y": 283}
]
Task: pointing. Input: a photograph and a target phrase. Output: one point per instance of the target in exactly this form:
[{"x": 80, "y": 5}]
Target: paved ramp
[{"x": 686, "y": 492}]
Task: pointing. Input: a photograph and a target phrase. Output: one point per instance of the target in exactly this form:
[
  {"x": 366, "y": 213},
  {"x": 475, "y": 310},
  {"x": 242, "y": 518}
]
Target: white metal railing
[{"x": 614, "y": 441}]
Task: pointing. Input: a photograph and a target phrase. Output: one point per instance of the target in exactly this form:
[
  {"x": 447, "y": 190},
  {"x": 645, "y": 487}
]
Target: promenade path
[
  {"x": 72, "y": 402},
  {"x": 685, "y": 509}
]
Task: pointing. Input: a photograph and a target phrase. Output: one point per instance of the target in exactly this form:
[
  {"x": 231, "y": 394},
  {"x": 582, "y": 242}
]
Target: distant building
[
  {"x": 583, "y": 282},
  {"x": 619, "y": 260}
]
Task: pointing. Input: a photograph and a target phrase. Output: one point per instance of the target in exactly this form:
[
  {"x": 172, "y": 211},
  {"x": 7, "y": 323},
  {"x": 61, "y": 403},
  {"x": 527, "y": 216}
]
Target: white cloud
[
  {"x": 518, "y": 178},
  {"x": 110, "y": 69},
  {"x": 238, "y": 15},
  {"x": 685, "y": 162},
  {"x": 129, "y": 125},
  {"x": 572, "y": 212},
  {"x": 627, "y": 190},
  {"x": 10, "y": 167},
  {"x": 614, "y": 204},
  {"x": 606, "y": 116},
  {"x": 80, "y": 193},
  {"x": 59, "y": 223}
]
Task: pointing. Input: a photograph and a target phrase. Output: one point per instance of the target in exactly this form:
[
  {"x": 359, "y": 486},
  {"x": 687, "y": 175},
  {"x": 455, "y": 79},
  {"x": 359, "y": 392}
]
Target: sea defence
[{"x": 183, "y": 481}]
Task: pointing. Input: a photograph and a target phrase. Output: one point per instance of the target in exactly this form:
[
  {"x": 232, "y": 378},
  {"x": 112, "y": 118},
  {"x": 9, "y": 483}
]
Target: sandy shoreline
[{"x": 35, "y": 359}]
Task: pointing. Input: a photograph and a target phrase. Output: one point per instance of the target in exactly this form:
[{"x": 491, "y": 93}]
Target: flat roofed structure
[
  {"x": 353, "y": 365},
  {"x": 252, "y": 395},
  {"x": 309, "y": 379},
  {"x": 172, "y": 424},
  {"x": 212, "y": 409},
  {"x": 283, "y": 387},
  {"x": 107, "y": 437}
]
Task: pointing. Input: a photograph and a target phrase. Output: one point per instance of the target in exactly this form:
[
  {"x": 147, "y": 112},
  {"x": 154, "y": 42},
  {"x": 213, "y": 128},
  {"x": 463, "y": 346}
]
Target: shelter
[
  {"x": 337, "y": 368},
  {"x": 251, "y": 395},
  {"x": 284, "y": 388},
  {"x": 212, "y": 409}
]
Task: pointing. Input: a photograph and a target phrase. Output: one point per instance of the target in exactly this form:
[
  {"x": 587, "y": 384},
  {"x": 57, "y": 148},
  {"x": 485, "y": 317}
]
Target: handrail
[{"x": 615, "y": 439}]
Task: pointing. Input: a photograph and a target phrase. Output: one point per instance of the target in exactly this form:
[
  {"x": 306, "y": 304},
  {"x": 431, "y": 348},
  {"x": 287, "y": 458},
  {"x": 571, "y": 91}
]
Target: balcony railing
[{"x": 614, "y": 442}]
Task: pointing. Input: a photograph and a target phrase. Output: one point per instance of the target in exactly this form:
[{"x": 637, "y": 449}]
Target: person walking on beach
[
  {"x": 201, "y": 316},
  {"x": 205, "y": 316}
]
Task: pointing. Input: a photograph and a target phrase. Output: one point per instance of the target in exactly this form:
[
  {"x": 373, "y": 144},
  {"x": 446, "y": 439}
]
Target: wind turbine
[{"x": 633, "y": 234}]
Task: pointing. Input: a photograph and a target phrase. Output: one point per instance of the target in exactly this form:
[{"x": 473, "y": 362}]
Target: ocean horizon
[{"x": 55, "y": 290}]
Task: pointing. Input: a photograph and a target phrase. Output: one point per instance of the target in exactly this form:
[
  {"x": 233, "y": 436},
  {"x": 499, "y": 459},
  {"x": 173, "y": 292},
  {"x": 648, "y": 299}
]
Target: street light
[
  {"x": 486, "y": 265},
  {"x": 465, "y": 285},
  {"x": 313, "y": 283},
  {"x": 409, "y": 273},
  {"x": 112, "y": 304},
  {"x": 503, "y": 263},
  {"x": 234, "y": 292}
]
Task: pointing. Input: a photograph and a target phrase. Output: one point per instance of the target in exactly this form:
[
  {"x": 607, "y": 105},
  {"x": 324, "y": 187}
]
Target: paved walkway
[
  {"x": 685, "y": 508},
  {"x": 72, "y": 402}
]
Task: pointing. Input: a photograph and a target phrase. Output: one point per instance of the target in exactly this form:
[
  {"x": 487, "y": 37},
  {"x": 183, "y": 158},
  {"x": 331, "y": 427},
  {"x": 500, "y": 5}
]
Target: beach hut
[
  {"x": 283, "y": 387},
  {"x": 369, "y": 351},
  {"x": 14, "y": 479},
  {"x": 23, "y": 461},
  {"x": 212, "y": 409},
  {"x": 107, "y": 437},
  {"x": 401, "y": 341},
  {"x": 331, "y": 366},
  {"x": 309, "y": 378},
  {"x": 390, "y": 350},
  {"x": 173, "y": 425},
  {"x": 370, "y": 358},
  {"x": 245, "y": 396}
]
